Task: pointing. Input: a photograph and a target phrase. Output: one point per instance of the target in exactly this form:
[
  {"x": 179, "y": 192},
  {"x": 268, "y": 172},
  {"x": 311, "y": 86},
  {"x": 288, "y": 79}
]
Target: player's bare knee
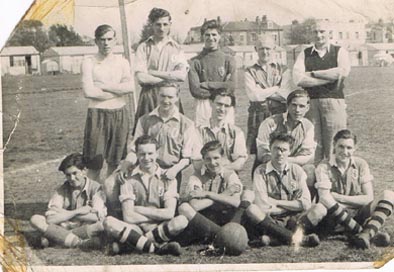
[
  {"x": 109, "y": 223},
  {"x": 327, "y": 200},
  {"x": 178, "y": 223},
  {"x": 388, "y": 195},
  {"x": 255, "y": 213},
  {"x": 39, "y": 222},
  {"x": 318, "y": 211},
  {"x": 186, "y": 210}
]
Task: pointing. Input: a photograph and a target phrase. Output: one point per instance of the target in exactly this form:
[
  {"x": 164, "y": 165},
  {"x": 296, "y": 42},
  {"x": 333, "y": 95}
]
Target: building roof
[
  {"x": 18, "y": 50},
  {"x": 250, "y": 48},
  {"x": 248, "y": 25},
  {"x": 78, "y": 50}
]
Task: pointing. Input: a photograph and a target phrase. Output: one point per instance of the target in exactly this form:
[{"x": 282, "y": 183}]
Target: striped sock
[
  {"x": 342, "y": 217},
  {"x": 383, "y": 210},
  {"x": 160, "y": 234},
  {"x": 136, "y": 240}
]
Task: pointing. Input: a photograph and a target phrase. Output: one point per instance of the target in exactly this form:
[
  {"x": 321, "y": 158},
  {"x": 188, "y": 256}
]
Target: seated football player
[
  {"x": 294, "y": 123},
  {"x": 211, "y": 196},
  {"x": 281, "y": 197},
  {"x": 76, "y": 209},
  {"x": 345, "y": 188},
  {"x": 231, "y": 137},
  {"x": 148, "y": 201}
]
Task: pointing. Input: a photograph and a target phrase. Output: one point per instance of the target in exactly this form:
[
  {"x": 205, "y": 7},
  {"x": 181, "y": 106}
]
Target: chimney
[
  {"x": 219, "y": 20},
  {"x": 205, "y": 20},
  {"x": 257, "y": 19}
]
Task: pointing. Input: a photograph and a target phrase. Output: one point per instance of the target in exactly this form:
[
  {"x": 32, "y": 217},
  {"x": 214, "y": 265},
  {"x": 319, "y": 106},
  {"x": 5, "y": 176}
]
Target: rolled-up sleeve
[
  {"x": 308, "y": 145},
  {"x": 140, "y": 63},
  {"x": 126, "y": 192},
  {"x": 181, "y": 62},
  {"x": 260, "y": 190},
  {"x": 57, "y": 199},
  {"x": 305, "y": 198},
  {"x": 171, "y": 190},
  {"x": 263, "y": 138},
  {"x": 240, "y": 150},
  {"x": 189, "y": 142},
  {"x": 98, "y": 203},
  {"x": 235, "y": 185},
  {"x": 365, "y": 173}
]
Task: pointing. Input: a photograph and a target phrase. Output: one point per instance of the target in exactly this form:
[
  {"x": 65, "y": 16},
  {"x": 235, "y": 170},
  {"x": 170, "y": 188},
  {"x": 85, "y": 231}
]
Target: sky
[{"x": 187, "y": 13}]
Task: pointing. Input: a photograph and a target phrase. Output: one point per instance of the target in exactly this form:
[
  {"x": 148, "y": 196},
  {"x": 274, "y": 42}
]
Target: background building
[
  {"x": 20, "y": 60},
  {"x": 242, "y": 32}
]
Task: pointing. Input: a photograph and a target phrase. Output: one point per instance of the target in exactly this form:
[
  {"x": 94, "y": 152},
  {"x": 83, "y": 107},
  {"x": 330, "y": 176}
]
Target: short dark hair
[
  {"x": 224, "y": 92},
  {"x": 297, "y": 93},
  {"x": 102, "y": 29},
  {"x": 169, "y": 84},
  {"x": 281, "y": 137},
  {"x": 145, "y": 139},
  {"x": 211, "y": 146},
  {"x": 74, "y": 159},
  {"x": 345, "y": 134},
  {"x": 211, "y": 24},
  {"x": 157, "y": 13}
]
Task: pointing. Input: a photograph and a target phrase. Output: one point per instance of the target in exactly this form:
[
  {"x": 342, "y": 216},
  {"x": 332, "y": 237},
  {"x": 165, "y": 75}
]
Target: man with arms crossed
[
  {"x": 321, "y": 70},
  {"x": 345, "y": 187},
  {"x": 106, "y": 80},
  {"x": 158, "y": 59},
  {"x": 148, "y": 203},
  {"x": 263, "y": 82},
  {"x": 280, "y": 198},
  {"x": 76, "y": 209},
  {"x": 210, "y": 71}
]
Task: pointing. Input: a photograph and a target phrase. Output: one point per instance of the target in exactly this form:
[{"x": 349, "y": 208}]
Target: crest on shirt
[
  {"x": 174, "y": 58},
  {"x": 221, "y": 71},
  {"x": 161, "y": 191},
  {"x": 355, "y": 174},
  {"x": 293, "y": 185}
]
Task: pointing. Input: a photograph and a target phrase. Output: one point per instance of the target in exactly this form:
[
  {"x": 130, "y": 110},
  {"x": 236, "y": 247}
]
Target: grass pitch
[{"x": 52, "y": 116}]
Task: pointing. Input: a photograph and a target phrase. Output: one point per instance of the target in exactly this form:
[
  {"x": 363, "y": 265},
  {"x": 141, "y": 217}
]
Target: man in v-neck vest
[{"x": 321, "y": 70}]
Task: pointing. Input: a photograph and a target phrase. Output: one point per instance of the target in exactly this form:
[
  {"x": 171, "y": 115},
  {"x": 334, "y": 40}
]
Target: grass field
[{"x": 51, "y": 123}]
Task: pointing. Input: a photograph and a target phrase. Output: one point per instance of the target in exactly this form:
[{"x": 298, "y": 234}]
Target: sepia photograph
[{"x": 197, "y": 135}]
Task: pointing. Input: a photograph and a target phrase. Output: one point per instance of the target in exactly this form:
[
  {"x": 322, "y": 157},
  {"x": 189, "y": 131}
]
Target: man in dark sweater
[
  {"x": 210, "y": 70},
  {"x": 321, "y": 70}
]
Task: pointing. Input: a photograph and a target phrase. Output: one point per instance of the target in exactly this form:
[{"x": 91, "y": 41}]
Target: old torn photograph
[{"x": 198, "y": 135}]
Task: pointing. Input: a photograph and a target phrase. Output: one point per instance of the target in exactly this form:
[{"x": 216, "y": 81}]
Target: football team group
[{"x": 306, "y": 182}]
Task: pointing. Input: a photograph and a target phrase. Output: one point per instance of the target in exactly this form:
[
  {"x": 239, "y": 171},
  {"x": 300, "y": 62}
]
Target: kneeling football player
[
  {"x": 148, "y": 202},
  {"x": 76, "y": 209},
  {"x": 280, "y": 197},
  {"x": 211, "y": 196},
  {"x": 346, "y": 197}
]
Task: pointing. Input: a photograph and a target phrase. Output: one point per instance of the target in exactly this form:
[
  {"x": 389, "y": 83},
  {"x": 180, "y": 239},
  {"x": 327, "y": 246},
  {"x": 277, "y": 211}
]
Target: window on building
[
  {"x": 357, "y": 35},
  {"x": 241, "y": 38},
  {"x": 254, "y": 37},
  {"x": 340, "y": 35},
  {"x": 374, "y": 36},
  {"x": 330, "y": 35},
  {"x": 347, "y": 35},
  {"x": 12, "y": 61}
]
